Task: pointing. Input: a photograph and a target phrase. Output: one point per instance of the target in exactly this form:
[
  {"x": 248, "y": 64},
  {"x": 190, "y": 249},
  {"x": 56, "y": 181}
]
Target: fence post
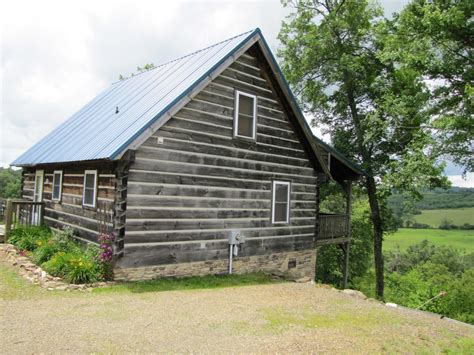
[{"x": 8, "y": 219}]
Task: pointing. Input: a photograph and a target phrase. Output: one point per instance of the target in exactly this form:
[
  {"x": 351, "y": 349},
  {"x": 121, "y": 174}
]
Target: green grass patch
[
  {"x": 457, "y": 216},
  {"x": 404, "y": 237},
  {"x": 281, "y": 319},
  {"x": 13, "y": 286},
  {"x": 189, "y": 283}
]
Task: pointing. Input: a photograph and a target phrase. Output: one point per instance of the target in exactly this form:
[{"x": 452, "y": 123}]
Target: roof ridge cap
[{"x": 187, "y": 55}]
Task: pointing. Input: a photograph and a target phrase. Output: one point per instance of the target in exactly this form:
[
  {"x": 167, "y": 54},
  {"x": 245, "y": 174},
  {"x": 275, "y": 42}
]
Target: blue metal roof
[{"x": 98, "y": 132}]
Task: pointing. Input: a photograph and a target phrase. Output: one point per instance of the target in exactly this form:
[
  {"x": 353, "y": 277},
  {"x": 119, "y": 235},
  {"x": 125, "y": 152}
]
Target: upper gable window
[{"x": 245, "y": 119}]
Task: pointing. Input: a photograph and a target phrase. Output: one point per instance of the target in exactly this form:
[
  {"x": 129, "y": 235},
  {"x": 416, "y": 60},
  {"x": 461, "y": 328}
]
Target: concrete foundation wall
[{"x": 292, "y": 265}]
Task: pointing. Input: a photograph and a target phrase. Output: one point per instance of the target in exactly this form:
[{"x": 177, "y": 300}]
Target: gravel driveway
[{"x": 284, "y": 317}]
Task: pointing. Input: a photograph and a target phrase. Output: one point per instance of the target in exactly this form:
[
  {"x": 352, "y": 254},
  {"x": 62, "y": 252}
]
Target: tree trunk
[
  {"x": 378, "y": 236},
  {"x": 370, "y": 185}
]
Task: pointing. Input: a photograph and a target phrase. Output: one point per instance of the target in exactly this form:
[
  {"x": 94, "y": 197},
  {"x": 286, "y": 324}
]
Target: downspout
[{"x": 231, "y": 251}]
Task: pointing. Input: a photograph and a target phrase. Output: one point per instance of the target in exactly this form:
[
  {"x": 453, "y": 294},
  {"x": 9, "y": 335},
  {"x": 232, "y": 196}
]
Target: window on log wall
[
  {"x": 245, "y": 119},
  {"x": 89, "y": 195},
  {"x": 57, "y": 185},
  {"x": 281, "y": 201}
]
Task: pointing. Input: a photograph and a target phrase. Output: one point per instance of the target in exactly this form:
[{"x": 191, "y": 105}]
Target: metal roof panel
[{"x": 97, "y": 132}]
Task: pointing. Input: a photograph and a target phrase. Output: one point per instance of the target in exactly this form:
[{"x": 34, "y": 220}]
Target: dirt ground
[{"x": 283, "y": 318}]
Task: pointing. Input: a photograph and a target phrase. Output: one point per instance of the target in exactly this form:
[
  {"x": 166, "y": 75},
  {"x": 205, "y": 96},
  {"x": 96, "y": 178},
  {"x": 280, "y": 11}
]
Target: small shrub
[
  {"x": 74, "y": 267},
  {"x": 466, "y": 226},
  {"x": 417, "y": 225},
  {"x": 81, "y": 269},
  {"x": 58, "y": 241},
  {"x": 45, "y": 252},
  {"x": 446, "y": 224},
  {"x": 29, "y": 238},
  {"x": 57, "y": 265}
]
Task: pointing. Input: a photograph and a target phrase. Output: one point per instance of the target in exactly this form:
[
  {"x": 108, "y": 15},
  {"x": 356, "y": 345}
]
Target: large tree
[
  {"x": 333, "y": 54},
  {"x": 436, "y": 38}
]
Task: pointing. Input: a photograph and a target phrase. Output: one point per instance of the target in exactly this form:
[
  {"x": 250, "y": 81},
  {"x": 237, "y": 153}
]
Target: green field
[
  {"x": 404, "y": 237},
  {"x": 457, "y": 216}
]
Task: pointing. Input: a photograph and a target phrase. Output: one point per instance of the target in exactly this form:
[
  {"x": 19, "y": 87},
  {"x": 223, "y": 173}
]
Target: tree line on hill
[
  {"x": 404, "y": 207},
  {"x": 435, "y": 199}
]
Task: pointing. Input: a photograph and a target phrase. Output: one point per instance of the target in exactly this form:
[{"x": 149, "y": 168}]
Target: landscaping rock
[
  {"x": 355, "y": 293},
  {"x": 304, "y": 279}
]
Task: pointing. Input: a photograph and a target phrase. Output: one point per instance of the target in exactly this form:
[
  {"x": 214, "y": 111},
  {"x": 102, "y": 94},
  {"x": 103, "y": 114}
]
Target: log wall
[
  {"x": 192, "y": 182},
  {"x": 69, "y": 212}
]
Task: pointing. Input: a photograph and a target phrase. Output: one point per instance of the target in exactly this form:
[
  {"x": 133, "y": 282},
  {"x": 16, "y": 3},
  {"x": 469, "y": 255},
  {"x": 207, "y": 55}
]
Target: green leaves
[
  {"x": 10, "y": 183},
  {"x": 436, "y": 40},
  {"x": 347, "y": 68},
  {"x": 342, "y": 58}
]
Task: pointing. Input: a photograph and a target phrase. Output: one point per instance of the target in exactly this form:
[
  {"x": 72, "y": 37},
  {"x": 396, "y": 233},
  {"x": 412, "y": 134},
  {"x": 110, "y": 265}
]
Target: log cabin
[{"x": 206, "y": 163}]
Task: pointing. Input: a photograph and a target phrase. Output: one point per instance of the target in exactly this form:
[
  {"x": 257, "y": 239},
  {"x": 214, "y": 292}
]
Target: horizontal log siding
[
  {"x": 185, "y": 195},
  {"x": 69, "y": 212}
]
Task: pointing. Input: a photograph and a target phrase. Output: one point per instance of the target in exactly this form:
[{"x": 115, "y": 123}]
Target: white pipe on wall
[{"x": 231, "y": 247}]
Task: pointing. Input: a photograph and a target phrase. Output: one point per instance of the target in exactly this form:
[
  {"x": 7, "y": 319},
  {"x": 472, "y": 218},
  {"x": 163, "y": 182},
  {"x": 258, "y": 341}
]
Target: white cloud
[
  {"x": 459, "y": 181},
  {"x": 57, "y": 55}
]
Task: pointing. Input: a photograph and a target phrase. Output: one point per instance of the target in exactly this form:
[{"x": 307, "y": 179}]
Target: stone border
[{"x": 36, "y": 275}]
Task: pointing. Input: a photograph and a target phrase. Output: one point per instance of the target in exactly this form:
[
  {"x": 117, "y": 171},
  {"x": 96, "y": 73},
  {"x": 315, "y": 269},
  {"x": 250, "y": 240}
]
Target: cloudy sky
[{"x": 57, "y": 55}]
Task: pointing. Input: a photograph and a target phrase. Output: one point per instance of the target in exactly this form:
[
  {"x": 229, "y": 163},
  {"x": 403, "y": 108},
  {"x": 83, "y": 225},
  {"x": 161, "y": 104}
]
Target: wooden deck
[{"x": 333, "y": 229}]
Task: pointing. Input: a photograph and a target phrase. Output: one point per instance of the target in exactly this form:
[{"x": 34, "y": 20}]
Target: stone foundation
[{"x": 291, "y": 265}]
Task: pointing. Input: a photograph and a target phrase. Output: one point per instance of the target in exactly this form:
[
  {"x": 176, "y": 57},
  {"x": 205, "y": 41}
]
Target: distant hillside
[{"x": 454, "y": 197}]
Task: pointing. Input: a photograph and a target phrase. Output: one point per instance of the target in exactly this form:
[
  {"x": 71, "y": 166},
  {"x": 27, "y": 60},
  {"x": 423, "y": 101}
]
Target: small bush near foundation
[
  {"x": 74, "y": 267},
  {"x": 29, "y": 238},
  {"x": 45, "y": 252}
]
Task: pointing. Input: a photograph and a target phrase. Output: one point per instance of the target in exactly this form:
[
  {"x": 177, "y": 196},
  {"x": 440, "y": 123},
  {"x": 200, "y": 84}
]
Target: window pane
[
  {"x": 281, "y": 193},
  {"x": 57, "y": 178},
  {"x": 280, "y": 212},
  {"x": 246, "y": 105},
  {"x": 89, "y": 196},
  {"x": 56, "y": 191},
  {"x": 90, "y": 180},
  {"x": 245, "y": 126}
]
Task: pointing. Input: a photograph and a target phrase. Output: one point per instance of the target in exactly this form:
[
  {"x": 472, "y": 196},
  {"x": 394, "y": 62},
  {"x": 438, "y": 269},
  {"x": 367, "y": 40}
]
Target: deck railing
[
  {"x": 333, "y": 226},
  {"x": 22, "y": 212}
]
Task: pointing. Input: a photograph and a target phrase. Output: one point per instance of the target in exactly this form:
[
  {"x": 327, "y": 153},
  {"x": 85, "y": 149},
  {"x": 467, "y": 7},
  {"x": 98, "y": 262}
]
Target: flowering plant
[{"x": 106, "y": 254}]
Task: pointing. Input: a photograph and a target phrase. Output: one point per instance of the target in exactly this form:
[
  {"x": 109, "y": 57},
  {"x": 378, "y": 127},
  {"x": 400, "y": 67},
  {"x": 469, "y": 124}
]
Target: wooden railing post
[
  {"x": 8, "y": 219},
  {"x": 41, "y": 217},
  {"x": 349, "y": 232}
]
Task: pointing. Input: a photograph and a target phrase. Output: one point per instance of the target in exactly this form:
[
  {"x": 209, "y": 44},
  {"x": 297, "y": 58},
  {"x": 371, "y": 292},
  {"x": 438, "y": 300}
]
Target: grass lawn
[
  {"x": 404, "y": 237},
  {"x": 189, "y": 283},
  {"x": 457, "y": 216}
]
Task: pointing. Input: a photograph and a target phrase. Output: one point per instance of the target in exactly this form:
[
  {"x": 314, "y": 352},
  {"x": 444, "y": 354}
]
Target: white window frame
[
  {"x": 236, "y": 115},
  {"x": 60, "y": 172},
  {"x": 274, "y": 184},
  {"x": 38, "y": 189},
  {"x": 89, "y": 172}
]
